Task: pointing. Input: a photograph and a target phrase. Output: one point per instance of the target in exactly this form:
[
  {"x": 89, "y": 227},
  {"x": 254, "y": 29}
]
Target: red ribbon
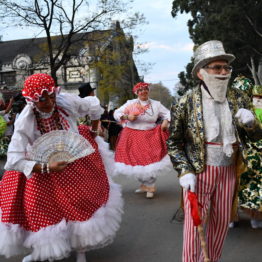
[{"x": 194, "y": 204}]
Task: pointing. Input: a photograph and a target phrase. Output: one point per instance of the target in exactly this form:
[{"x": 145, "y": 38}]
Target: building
[{"x": 104, "y": 58}]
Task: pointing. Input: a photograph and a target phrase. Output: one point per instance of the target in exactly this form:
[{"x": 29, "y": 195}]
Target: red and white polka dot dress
[
  {"x": 141, "y": 149},
  {"x": 44, "y": 200},
  {"x": 55, "y": 213}
]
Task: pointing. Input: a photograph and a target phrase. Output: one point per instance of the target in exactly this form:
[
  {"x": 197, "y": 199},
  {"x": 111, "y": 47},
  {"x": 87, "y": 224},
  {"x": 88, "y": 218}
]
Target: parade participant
[
  {"x": 257, "y": 101},
  {"x": 114, "y": 129},
  {"x": 141, "y": 150},
  {"x": 206, "y": 126},
  {"x": 53, "y": 209},
  {"x": 250, "y": 192},
  {"x": 86, "y": 90}
]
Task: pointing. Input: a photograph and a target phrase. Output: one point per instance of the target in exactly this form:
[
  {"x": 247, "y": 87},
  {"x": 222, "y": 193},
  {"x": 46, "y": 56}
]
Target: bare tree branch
[
  {"x": 61, "y": 17},
  {"x": 252, "y": 69},
  {"x": 253, "y": 26}
]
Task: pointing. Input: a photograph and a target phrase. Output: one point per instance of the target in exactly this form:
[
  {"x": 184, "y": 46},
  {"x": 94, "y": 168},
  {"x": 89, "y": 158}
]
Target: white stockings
[
  {"x": 80, "y": 257},
  {"x": 27, "y": 259}
]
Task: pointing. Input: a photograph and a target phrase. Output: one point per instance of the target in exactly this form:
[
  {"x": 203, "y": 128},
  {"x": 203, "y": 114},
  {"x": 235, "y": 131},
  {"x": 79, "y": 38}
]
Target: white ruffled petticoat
[{"x": 57, "y": 241}]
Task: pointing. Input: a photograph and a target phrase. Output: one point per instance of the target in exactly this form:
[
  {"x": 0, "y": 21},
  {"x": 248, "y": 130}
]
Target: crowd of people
[{"x": 212, "y": 138}]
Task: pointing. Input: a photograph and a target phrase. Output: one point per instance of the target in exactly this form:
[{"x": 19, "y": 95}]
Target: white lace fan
[{"x": 59, "y": 145}]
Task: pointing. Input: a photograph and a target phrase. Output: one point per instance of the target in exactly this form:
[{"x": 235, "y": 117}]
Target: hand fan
[
  {"x": 135, "y": 109},
  {"x": 59, "y": 145}
]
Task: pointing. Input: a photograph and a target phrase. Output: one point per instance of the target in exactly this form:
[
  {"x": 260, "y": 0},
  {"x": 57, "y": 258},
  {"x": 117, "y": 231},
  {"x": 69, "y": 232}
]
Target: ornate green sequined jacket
[{"x": 186, "y": 144}]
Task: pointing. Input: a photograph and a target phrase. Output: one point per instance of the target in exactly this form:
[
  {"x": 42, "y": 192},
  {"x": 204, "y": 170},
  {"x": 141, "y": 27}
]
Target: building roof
[{"x": 37, "y": 47}]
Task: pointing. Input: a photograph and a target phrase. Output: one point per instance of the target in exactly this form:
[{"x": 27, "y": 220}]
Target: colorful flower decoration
[
  {"x": 135, "y": 109},
  {"x": 140, "y": 85},
  {"x": 243, "y": 83}
]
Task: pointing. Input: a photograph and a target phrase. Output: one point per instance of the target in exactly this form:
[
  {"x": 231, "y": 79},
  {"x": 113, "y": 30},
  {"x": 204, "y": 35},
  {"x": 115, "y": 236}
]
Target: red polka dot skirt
[
  {"x": 142, "y": 153},
  {"x": 74, "y": 196},
  {"x": 45, "y": 199},
  {"x": 141, "y": 147}
]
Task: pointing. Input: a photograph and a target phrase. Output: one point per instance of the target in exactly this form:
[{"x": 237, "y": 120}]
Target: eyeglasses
[
  {"x": 142, "y": 89},
  {"x": 218, "y": 68},
  {"x": 44, "y": 99}
]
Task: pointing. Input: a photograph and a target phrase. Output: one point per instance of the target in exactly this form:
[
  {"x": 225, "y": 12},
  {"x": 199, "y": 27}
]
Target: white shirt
[
  {"x": 26, "y": 131},
  {"x": 147, "y": 120},
  {"x": 215, "y": 116}
]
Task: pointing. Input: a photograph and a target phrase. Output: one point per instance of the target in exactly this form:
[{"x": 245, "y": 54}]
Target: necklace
[
  {"x": 46, "y": 125},
  {"x": 43, "y": 114},
  {"x": 148, "y": 106}
]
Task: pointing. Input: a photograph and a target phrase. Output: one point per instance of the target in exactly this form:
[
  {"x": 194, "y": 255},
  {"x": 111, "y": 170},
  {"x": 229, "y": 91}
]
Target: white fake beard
[{"x": 216, "y": 84}]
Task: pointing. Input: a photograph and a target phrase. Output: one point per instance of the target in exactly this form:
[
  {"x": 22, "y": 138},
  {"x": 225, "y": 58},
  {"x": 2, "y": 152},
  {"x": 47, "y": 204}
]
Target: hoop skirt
[
  {"x": 142, "y": 153},
  {"x": 54, "y": 213}
]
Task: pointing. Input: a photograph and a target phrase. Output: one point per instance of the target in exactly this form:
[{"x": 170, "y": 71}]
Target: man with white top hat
[{"x": 209, "y": 126}]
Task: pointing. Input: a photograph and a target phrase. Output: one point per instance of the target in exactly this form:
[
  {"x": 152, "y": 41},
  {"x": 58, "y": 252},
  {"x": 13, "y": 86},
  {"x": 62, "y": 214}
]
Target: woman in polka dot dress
[
  {"x": 141, "y": 150},
  {"x": 67, "y": 207}
]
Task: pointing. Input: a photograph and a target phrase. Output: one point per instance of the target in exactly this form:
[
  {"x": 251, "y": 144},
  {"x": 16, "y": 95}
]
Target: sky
[
  {"x": 170, "y": 47},
  {"x": 167, "y": 40}
]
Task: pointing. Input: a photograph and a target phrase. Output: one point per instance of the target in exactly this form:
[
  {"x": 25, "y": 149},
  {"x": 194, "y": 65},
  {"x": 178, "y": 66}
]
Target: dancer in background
[
  {"x": 114, "y": 129},
  {"x": 53, "y": 209},
  {"x": 141, "y": 150},
  {"x": 250, "y": 191}
]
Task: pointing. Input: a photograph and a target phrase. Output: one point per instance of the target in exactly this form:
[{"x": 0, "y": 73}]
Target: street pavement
[{"x": 147, "y": 233}]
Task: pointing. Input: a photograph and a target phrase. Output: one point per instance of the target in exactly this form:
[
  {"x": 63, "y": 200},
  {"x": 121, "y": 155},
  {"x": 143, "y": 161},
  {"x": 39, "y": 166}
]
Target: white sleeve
[
  {"x": 164, "y": 113},
  {"x": 120, "y": 111},
  {"x": 22, "y": 137},
  {"x": 80, "y": 107},
  {"x": 95, "y": 109}
]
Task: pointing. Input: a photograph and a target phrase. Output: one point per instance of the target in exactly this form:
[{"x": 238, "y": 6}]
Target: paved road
[{"x": 147, "y": 235}]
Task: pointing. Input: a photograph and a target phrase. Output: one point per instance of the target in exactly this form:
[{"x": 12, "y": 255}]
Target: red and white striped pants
[{"x": 215, "y": 189}]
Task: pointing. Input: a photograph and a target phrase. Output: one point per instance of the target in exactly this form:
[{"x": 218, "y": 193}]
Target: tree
[
  {"x": 161, "y": 93},
  {"x": 118, "y": 70},
  {"x": 63, "y": 21},
  {"x": 237, "y": 23}
]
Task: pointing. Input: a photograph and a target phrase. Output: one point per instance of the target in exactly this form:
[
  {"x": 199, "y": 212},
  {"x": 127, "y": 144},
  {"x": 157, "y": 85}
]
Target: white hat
[{"x": 208, "y": 52}]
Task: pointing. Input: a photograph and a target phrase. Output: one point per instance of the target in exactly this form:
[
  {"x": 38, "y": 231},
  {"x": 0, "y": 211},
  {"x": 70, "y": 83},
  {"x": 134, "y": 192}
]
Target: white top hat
[{"x": 208, "y": 52}]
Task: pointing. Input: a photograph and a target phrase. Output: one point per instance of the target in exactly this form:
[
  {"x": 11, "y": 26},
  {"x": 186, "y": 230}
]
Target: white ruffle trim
[
  {"x": 57, "y": 241},
  {"x": 162, "y": 167},
  {"x": 107, "y": 155}
]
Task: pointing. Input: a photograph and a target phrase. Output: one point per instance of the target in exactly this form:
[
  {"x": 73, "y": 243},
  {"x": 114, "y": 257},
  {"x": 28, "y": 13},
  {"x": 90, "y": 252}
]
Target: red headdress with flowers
[
  {"x": 140, "y": 85},
  {"x": 36, "y": 84}
]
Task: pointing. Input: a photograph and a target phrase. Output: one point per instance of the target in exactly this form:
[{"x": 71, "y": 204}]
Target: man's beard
[{"x": 216, "y": 84}]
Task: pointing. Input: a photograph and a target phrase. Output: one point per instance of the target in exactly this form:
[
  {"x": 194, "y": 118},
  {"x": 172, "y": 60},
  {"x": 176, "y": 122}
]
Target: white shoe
[
  {"x": 139, "y": 190},
  {"x": 149, "y": 194},
  {"x": 27, "y": 259},
  {"x": 80, "y": 257},
  {"x": 231, "y": 225},
  {"x": 256, "y": 223}
]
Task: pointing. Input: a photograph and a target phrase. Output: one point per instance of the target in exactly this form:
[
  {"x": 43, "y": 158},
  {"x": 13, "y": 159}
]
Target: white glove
[
  {"x": 245, "y": 117},
  {"x": 188, "y": 181}
]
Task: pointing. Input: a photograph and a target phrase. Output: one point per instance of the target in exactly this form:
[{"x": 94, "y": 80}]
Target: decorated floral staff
[
  {"x": 141, "y": 150},
  {"x": 195, "y": 206},
  {"x": 51, "y": 208},
  {"x": 208, "y": 124}
]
